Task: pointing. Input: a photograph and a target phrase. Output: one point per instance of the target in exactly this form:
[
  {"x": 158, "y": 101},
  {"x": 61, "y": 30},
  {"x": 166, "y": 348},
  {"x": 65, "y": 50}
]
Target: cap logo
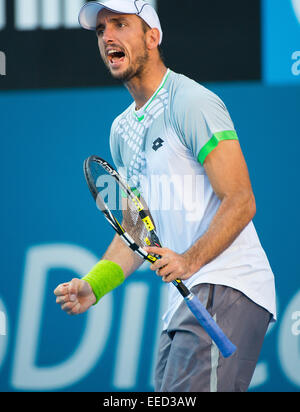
[{"x": 139, "y": 7}]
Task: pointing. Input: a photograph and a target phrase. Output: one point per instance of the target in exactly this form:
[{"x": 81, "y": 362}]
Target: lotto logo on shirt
[
  {"x": 157, "y": 144},
  {"x": 281, "y": 41}
]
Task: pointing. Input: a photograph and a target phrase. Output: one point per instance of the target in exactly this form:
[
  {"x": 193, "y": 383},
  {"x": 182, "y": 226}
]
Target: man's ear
[{"x": 153, "y": 37}]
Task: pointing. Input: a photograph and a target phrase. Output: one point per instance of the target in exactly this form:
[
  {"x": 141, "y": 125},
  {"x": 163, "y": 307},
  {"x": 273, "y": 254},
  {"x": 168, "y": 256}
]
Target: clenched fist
[{"x": 75, "y": 297}]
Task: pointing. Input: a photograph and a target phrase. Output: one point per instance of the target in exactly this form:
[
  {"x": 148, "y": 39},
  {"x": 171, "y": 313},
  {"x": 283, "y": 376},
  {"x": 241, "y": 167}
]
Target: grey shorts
[{"x": 188, "y": 361}]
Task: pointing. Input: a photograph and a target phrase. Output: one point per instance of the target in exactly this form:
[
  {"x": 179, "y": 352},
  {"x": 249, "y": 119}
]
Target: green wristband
[{"x": 104, "y": 277}]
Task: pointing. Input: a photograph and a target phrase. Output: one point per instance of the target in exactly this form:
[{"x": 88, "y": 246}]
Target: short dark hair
[{"x": 146, "y": 27}]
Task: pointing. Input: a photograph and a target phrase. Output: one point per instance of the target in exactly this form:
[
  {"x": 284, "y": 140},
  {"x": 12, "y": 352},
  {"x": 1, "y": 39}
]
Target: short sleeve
[{"x": 201, "y": 120}]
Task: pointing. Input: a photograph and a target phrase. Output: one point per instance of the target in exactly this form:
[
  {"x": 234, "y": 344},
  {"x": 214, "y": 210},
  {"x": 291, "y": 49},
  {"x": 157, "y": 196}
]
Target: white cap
[{"x": 89, "y": 12}]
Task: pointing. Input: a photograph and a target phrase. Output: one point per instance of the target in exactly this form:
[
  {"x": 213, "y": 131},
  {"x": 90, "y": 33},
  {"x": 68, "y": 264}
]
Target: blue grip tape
[{"x": 226, "y": 347}]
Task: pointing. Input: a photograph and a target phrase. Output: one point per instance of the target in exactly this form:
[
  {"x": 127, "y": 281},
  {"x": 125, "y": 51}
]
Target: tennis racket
[{"x": 133, "y": 222}]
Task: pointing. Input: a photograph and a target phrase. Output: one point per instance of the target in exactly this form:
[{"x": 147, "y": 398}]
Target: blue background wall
[
  {"x": 51, "y": 231},
  {"x": 280, "y": 45}
]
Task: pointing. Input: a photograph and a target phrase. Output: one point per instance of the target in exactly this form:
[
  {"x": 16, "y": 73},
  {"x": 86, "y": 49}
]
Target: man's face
[{"x": 122, "y": 44}]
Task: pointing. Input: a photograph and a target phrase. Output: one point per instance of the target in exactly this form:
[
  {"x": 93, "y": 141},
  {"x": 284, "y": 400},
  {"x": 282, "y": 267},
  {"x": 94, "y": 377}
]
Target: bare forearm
[
  {"x": 79, "y": 295},
  {"x": 232, "y": 217},
  {"x": 120, "y": 253}
]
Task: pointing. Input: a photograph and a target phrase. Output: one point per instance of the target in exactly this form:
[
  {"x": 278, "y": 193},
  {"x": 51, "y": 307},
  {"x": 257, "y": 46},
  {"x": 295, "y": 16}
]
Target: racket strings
[
  {"x": 110, "y": 195},
  {"x": 133, "y": 223}
]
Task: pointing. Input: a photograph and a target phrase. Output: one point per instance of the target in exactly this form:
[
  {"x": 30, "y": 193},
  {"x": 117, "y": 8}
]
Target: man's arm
[
  {"x": 120, "y": 253},
  {"x": 228, "y": 174},
  {"x": 77, "y": 296}
]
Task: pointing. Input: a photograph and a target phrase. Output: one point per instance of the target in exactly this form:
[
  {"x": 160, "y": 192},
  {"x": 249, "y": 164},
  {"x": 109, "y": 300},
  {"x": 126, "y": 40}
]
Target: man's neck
[{"x": 144, "y": 86}]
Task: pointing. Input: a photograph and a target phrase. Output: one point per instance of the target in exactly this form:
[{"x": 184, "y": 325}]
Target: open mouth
[{"x": 115, "y": 56}]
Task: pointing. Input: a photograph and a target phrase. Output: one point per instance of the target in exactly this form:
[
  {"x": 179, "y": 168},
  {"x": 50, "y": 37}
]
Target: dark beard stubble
[{"x": 135, "y": 70}]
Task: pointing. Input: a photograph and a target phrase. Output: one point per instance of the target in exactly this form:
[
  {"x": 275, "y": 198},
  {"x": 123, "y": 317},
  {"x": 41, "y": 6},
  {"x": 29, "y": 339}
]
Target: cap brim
[{"x": 88, "y": 14}]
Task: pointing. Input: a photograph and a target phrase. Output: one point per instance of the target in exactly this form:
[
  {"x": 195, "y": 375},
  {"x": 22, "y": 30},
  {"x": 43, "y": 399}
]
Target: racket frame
[{"x": 226, "y": 347}]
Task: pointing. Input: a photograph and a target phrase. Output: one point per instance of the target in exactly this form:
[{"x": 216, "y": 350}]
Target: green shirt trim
[
  {"x": 154, "y": 96},
  {"x": 213, "y": 143},
  {"x": 134, "y": 191}
]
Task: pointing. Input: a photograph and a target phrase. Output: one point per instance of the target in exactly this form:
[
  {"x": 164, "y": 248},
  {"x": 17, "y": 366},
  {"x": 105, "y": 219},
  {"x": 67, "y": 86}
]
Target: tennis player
[{"x": 181, "y": 131}]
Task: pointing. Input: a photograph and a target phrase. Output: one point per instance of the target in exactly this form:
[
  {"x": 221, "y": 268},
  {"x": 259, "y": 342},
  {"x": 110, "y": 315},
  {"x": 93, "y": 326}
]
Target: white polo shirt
[{"x": 163, "y": 147}]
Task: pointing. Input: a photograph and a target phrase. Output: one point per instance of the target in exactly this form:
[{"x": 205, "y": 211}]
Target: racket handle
[{"x": 226, "y": 347}]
